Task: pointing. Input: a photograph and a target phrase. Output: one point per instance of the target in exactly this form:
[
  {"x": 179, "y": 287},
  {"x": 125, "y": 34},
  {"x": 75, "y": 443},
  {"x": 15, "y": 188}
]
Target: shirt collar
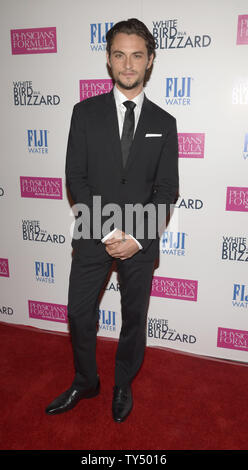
[{"x": 120, "y": 98}]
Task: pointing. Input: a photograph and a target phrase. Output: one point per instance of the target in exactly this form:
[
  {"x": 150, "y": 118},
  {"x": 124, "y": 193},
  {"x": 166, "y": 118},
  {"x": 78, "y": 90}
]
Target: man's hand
[{"x": 121, "y": 246}]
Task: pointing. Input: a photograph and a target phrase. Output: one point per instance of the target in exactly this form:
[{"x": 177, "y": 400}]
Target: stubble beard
[{"x": 129, "y": 86}]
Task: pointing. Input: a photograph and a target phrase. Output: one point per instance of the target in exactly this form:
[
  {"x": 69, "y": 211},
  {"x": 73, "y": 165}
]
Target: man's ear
[
  {"x": 108, "y": 59},
  {"x": 150, "y": 61}
]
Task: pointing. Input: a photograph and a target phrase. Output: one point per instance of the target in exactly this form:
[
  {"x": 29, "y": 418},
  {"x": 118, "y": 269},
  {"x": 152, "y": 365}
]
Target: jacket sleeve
[{"x": 77, "y": 173}]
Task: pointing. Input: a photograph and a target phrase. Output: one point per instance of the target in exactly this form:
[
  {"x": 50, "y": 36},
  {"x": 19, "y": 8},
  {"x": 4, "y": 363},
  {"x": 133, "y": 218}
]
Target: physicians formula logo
[
  {"x": 47, "y": 311},
  {"x": 237, "y": 199},
  {"x": 172, "y": 288},
  {"x": 4, "y": 267},
  {"x": 89, "y": 88},
  {"x": 41, "y": 188},
  {"x": 33, "y": 41},
  {"x": 191, "y": 145},
  {"x": 242, "y": 33},
  {"x": 232, "y": 339}
]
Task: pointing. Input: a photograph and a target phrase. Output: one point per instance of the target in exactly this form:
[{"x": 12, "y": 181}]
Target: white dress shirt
[{"x": 121, "y": 109}]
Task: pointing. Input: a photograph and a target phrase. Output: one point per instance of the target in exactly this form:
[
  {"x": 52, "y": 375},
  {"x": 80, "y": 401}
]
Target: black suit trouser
[{"x": 87, "y": 278}]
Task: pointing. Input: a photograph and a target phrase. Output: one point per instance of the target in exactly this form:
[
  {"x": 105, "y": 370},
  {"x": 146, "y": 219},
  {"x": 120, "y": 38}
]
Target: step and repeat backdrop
[{"x": 53, "y": 55}]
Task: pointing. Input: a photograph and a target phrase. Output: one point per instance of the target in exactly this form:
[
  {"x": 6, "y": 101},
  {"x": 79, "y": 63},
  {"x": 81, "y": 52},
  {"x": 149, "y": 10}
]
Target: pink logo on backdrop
[
  {"x": 237, "y": 199},
  {"x": 33, "y": 41},
  {"x": 89, "y": 88},
  {"x": 4, "y": 267},
  {"x": 232, "y": 339},
  {"x": 43, "y": 188},
  {"x": 242, "y": 34},
  {"x": 172, "y": 288},
  {"x": 191, "y": 145},
  {"x": 47, "y": 311}
]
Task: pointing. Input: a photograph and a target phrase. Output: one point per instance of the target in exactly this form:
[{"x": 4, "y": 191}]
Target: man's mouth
[{"x": 128, "y": 74}]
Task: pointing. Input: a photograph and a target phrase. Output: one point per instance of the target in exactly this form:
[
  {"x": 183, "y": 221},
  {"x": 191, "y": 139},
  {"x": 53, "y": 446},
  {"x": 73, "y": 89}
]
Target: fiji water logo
[
  {"x": 237, "y": 199},
  {"x": 232, "y": 339},
  {"x": 41, "y": 188},
  {"x": 191, "y": 145},
  {"x": 44, "y": 272},
  {"x": 172, "y": 288},
  {"x": 245, "y": 150},
  {"x": 98, "y": 33},
  {"x": 242, "y": 32},
  {"x": 173, "y": 243},
  {"x": 107, "y": 320},
  {"x": 240, "y": 295},
  {"x": 47, "y": 311},
  {"x": 89, "y": 88},
  {"x": 37, "y": 141},
  {"x": 33, "y": 41},
  {"x": 178, "y": 90},
  {"x": 4, "y": 267}
]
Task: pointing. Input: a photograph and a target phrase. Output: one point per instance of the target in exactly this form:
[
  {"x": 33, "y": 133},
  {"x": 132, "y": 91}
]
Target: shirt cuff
[
  {"x": 138, "y": 243},
  {"x": 108, "y": 235}
]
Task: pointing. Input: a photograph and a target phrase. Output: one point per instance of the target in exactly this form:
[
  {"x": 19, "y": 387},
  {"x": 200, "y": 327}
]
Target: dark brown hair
[{"x": 131, "y": 26}]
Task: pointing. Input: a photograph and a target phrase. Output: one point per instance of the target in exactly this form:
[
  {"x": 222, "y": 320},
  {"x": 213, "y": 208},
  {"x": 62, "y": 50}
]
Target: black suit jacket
[{"x": 94, "y": 164}]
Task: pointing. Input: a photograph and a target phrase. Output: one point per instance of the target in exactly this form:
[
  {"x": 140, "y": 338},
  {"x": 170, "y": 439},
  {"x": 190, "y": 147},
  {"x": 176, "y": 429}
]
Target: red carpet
[{"x": 180, "y": 402}]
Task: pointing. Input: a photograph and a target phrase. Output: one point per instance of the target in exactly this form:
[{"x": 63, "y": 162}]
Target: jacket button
[{"x": 123, "y": 181}]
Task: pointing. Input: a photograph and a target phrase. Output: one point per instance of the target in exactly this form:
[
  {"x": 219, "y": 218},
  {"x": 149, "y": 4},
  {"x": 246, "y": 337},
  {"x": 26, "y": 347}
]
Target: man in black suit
[{"x": 122, "y": 148}]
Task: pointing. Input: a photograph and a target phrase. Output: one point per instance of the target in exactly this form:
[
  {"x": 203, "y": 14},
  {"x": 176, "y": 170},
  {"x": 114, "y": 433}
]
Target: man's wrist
[{"x": 138, "y": 243}]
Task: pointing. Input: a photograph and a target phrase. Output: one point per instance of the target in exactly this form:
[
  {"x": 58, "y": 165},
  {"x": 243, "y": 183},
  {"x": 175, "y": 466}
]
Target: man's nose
[{"x": 128, "y": 62}]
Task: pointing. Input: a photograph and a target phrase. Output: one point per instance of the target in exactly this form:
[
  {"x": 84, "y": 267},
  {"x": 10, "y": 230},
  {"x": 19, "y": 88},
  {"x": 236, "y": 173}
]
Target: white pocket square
[{"x": 153, "y": 135}]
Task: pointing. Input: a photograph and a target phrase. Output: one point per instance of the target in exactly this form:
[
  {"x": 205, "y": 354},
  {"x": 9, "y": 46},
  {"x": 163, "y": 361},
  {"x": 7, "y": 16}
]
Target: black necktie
[{"x": 128, "y": 130}]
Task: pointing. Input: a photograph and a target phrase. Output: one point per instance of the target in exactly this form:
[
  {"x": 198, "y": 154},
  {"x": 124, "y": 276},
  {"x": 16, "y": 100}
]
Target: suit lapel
[{"x": 112, "y": 130}]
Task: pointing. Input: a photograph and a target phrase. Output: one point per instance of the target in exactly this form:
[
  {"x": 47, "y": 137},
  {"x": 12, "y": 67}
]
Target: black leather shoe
[
  {"x": 68, "y": 399},
  {"x": 122, "y": 403}
]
